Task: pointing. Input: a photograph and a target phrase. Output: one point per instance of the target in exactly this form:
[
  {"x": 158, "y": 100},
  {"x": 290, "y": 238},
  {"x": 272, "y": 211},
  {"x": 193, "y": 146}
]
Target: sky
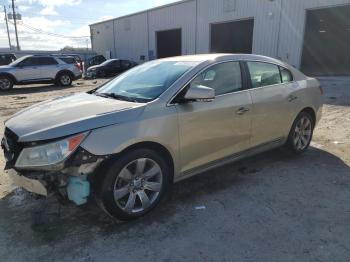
[{"x": 67, "y": 18}]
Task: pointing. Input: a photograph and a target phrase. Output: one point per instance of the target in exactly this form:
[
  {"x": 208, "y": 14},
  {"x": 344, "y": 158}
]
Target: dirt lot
[{"x": 272, "y": 207}]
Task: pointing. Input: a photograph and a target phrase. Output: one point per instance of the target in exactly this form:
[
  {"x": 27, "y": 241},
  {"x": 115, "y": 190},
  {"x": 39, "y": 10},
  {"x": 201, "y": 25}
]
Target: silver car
[
  {"x": 161, "y": 122},
  {"x": 38, "y": 69}
]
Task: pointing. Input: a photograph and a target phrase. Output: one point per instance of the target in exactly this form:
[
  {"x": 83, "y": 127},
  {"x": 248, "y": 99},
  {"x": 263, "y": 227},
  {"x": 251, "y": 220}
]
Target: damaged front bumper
[
  {"x": 71, "y": 179},
  {"x": 35, "y": 186}
]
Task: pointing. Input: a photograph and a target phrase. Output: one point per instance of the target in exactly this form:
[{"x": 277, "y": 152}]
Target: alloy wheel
[
  {"x": 5, "y": 84},
  {"x": 138, "y": 185},
  {"x": 302, "y": 133},
  {"x": 65, "y": 80}
]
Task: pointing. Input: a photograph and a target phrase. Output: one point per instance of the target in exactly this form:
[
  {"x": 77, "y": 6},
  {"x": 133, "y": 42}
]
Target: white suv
[{"x": 38, "y": 69}]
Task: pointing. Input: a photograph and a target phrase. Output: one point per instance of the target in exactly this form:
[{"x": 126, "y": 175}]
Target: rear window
[
  {"x": 264, "y": 74},
  {"x": 286, "y": 75},
  {"x": 45, "y": 61},
  {"x": 68, "y": 60}
]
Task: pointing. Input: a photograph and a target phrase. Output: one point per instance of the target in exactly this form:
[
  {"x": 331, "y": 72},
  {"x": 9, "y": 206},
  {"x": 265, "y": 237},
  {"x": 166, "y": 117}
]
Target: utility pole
[
  {"x": 7, "y": 28},
  {"x": 15, "y": 22}
]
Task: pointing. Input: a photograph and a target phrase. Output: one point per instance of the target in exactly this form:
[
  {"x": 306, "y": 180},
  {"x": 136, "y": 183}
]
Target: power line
[
  {"x": 69, "y": 17},
  {"x": 39, "y": 31}
]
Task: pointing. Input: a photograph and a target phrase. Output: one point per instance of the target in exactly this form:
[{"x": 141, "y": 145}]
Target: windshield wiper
[{"x": 118, "y": 97}]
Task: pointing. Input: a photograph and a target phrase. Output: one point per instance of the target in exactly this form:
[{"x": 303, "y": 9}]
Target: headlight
[{"x": 49, "y": 154}]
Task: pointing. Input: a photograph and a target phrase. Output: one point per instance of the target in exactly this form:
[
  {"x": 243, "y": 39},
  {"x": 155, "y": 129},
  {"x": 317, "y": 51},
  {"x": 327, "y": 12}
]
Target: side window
[
  {"x": 286, "y": 75},
  {"x": 28, "y": 62},
  {"x": 223, "y": 78},
  {"x": 125, "y": 64},
  {"x": 115, "y": 63},
  {"x": 264, "y": 74},
  {"x": 46, "y": 61}
]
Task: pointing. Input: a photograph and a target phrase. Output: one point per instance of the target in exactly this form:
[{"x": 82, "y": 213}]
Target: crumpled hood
[{"x": 69, "y": 115}]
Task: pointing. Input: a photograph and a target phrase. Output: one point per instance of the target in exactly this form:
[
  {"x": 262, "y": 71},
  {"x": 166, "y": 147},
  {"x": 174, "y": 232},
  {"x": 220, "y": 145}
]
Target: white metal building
[{"x": 313, "y": 35}]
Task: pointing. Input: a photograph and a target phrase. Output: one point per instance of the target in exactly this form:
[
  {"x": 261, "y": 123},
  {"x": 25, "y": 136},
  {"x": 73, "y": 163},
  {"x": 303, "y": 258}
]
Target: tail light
[{"x": 78, "y": 66}]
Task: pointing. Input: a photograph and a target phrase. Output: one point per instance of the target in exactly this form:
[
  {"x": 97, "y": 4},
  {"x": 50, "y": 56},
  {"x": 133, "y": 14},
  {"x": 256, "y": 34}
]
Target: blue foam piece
[{"x": 78, "y": 189}]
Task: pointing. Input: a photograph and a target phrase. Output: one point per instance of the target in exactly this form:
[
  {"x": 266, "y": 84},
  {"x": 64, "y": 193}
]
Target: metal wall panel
[
  {"x": 278, "y": 29},
  {"x": 131, "y": 37},
  {"x": 176, "y": 16},
  {"x": 293, "y": 25},
  {"x": 263, "y": 12},
  {"x": 102, "y": 38}
]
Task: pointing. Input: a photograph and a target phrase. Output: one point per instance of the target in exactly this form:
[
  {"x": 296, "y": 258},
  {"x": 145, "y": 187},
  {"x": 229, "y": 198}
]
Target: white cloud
[
  {"x": 24, "y": 8},
  {"x": 50, "y": 5},
  {"x": 48, "y": 11},
  {"x": 34, "y": 40}
]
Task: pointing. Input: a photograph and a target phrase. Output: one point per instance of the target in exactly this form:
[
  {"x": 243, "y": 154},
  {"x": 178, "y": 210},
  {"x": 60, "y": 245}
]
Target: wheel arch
[
  {"x": 64, "y": 71},
  {"x": 310, "y": 111},
  {"x": 13, "y": 78},
  {"x": 157, "y": 147}
]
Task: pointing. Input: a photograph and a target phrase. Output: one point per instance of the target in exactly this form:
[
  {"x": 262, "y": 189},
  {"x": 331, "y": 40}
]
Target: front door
[
  {"x": 27, "y": 70},
  {"x": 210, "y": 131}
]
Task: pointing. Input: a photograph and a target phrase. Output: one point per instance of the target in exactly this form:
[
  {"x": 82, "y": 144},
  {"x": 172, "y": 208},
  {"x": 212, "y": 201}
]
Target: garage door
[
  {"x": 232, "y": 37},
  {"x": 169, "y": 43},
  {"x": 326, "y": 49}
]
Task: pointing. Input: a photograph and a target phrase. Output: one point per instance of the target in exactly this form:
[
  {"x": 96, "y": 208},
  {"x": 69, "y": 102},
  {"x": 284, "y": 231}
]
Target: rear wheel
[
  {"x": 301, "y": 133},
  {"x": 6, "y": 83},
  {"x": 134, "y": 185},
  {"x": 65, "y": 79}
]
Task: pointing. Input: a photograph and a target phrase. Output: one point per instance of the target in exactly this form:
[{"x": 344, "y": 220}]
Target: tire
[
  {"x": 6, "y": 83},
  {"x": 64, "y": 79},
  {"x": 300, "y": 135},
  {"x": 134, "y": 184}
]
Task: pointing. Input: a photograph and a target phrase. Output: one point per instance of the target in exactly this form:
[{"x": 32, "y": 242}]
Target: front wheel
[
  {"x": 6, "y": 83},
  {"x": 134, "y": 185},
  {"x": 301, "y": 133}
]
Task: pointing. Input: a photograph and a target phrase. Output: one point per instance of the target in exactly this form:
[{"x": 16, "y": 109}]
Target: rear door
[
  {"x": 214, "y": 130},
  {"x": 272, "y": 90},
  {"x": 48, "y": 67}
]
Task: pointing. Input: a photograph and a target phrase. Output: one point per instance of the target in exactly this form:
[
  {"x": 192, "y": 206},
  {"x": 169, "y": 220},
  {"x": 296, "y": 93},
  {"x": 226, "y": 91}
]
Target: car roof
[
  {"x": 65, "y": 56},
  {"x": 223, "y": 57}
]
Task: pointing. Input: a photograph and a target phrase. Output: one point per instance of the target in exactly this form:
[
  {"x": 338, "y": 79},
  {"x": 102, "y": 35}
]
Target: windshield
[
  {"x": 148, "y": 81},
  {"x": 107, "y": 62},
  {"x": 19, "y": 60}
]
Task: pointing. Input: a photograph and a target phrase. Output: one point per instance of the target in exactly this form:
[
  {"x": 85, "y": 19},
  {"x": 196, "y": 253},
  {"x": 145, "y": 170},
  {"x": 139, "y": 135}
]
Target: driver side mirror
[{"x": 200, "y": 93}]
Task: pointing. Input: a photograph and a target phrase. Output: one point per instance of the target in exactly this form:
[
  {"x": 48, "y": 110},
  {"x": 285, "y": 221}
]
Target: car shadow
[{"x": 38, "y": 222}]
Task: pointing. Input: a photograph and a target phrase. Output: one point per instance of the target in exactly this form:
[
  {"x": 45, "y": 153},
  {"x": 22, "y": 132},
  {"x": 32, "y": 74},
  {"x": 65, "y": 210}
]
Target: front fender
[{"x": 161, "y": 129}]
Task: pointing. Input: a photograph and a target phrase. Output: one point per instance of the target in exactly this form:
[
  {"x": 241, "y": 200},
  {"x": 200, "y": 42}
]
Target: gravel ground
[{"x": 271, "y": 207}]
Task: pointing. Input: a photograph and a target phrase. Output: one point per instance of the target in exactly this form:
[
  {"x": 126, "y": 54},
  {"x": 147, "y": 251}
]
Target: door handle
[
  {"x": 242, "y": 111},
  {"x": 292, "y": 98}
]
